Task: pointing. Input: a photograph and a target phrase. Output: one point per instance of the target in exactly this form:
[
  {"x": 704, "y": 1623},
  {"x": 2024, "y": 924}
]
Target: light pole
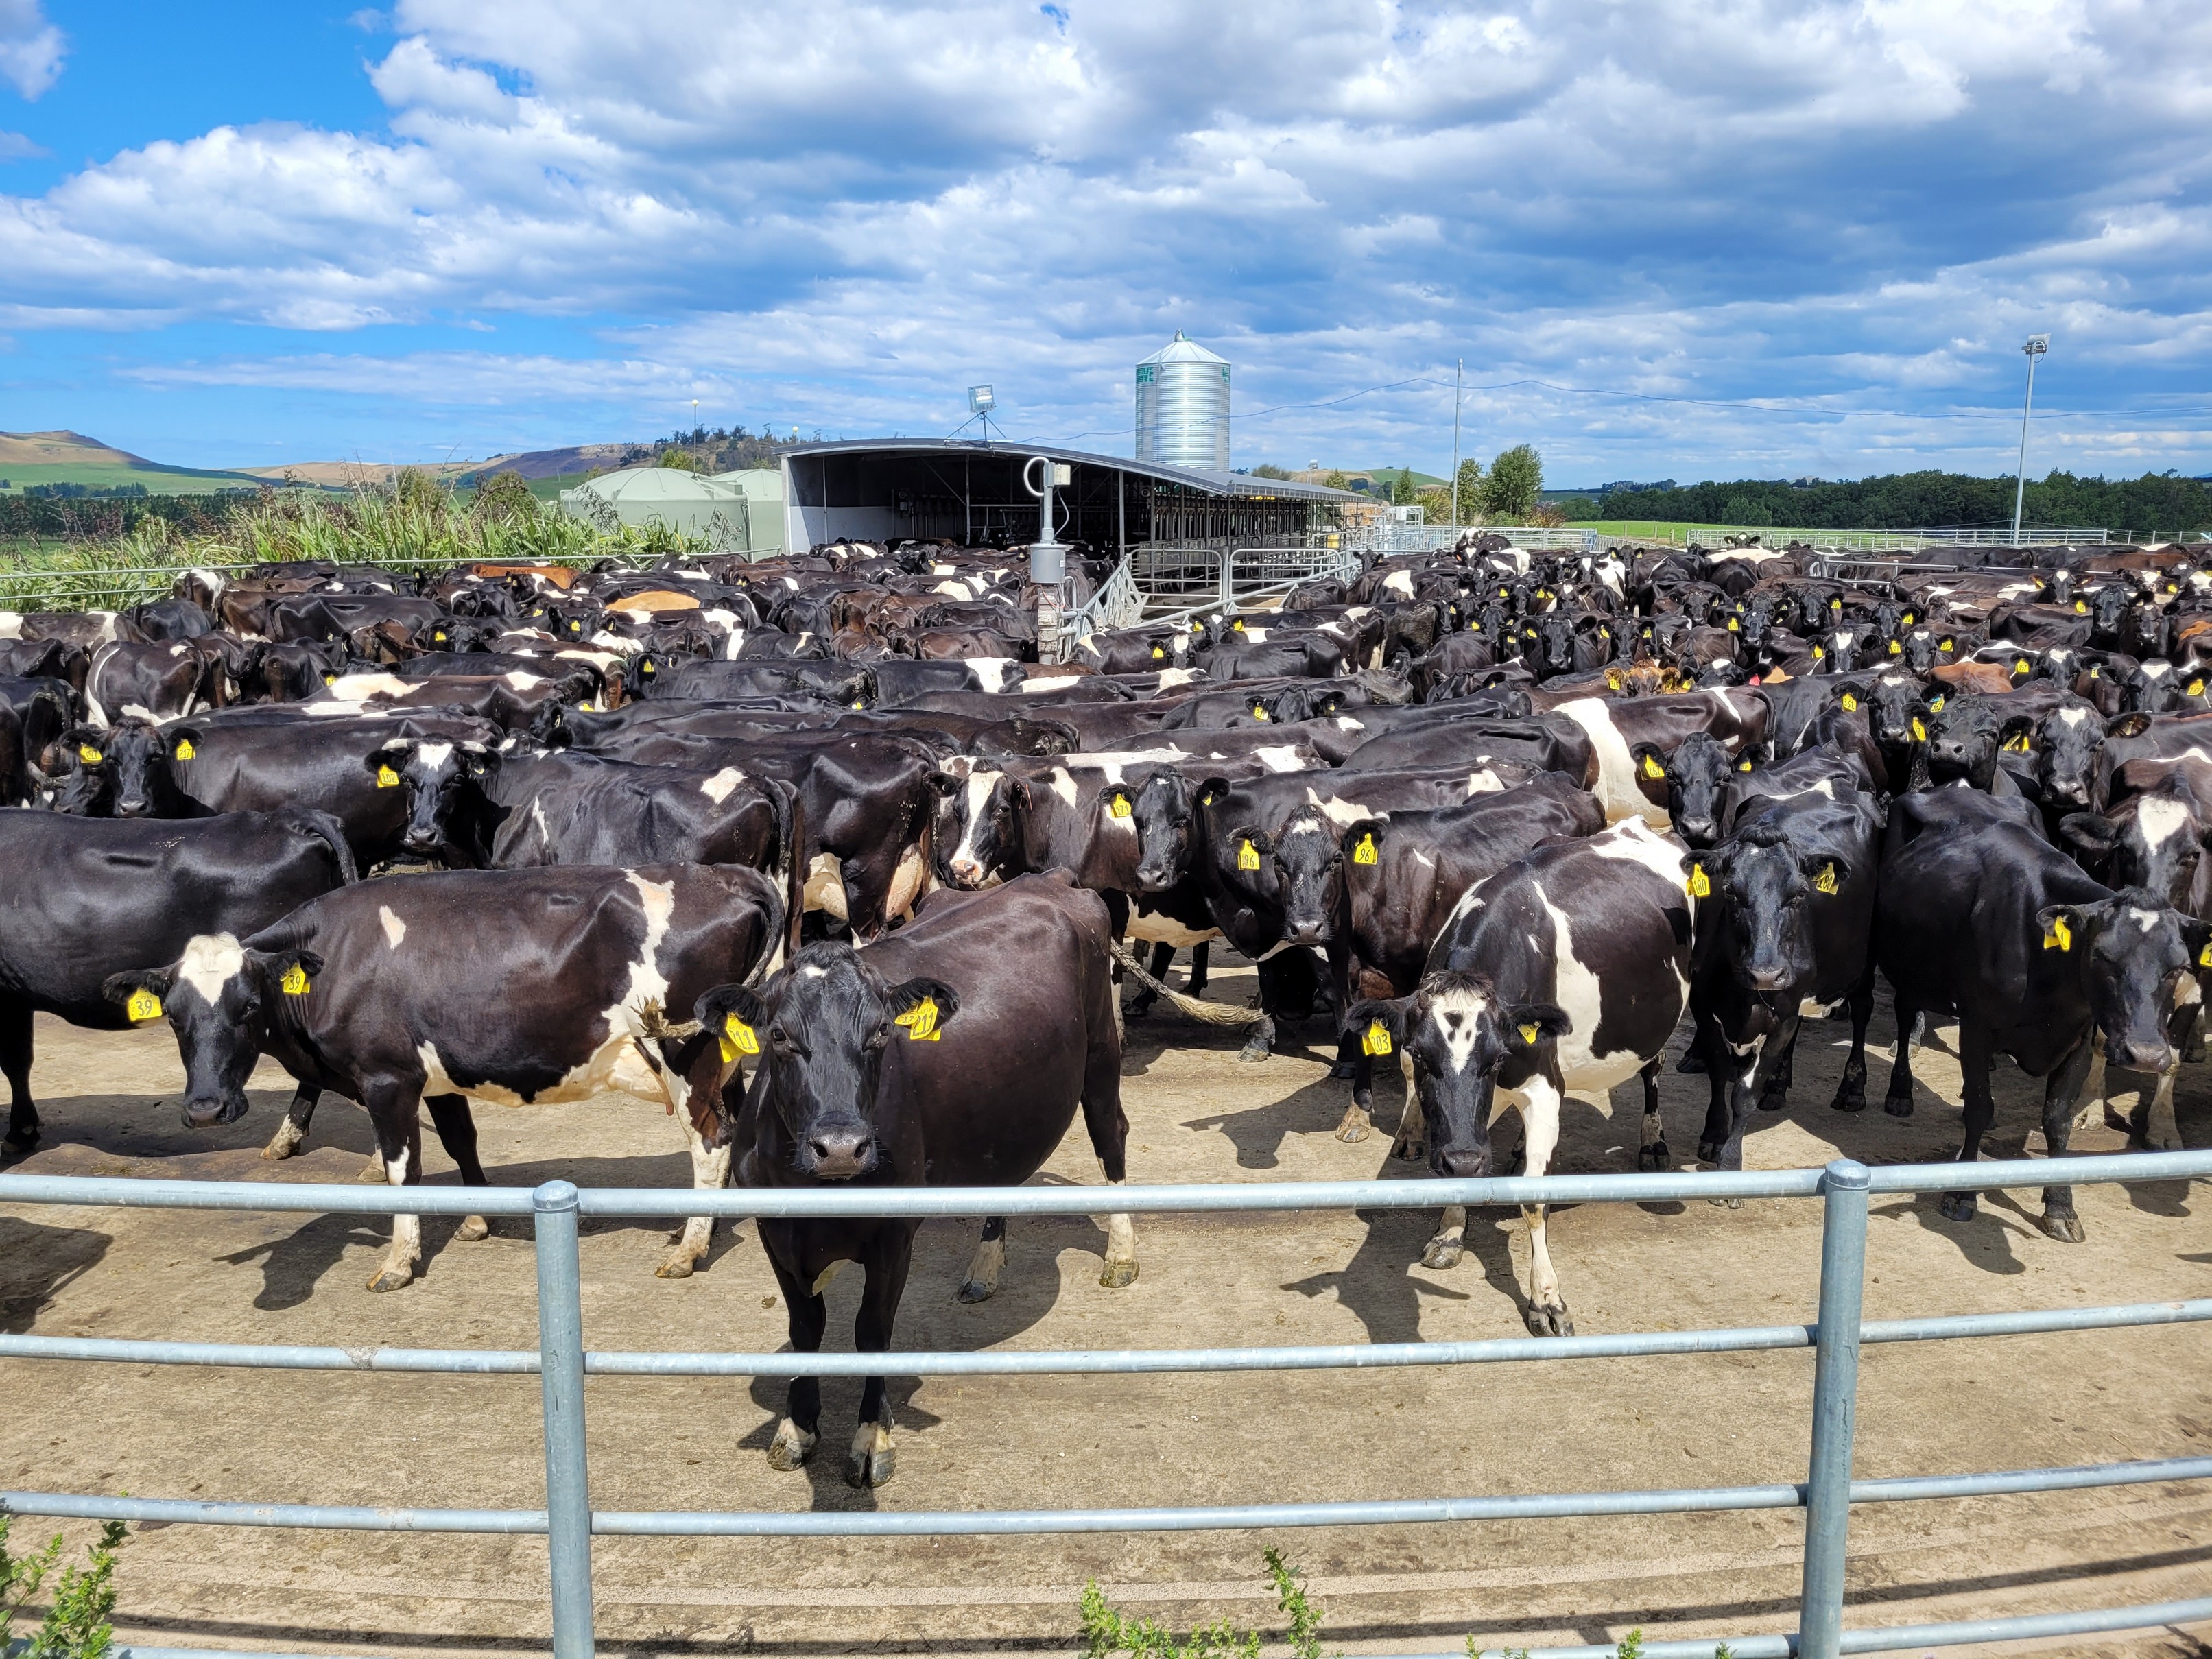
[
  {"x": 2036, "y": 346},
  {"x": 1459, "y": 374}
]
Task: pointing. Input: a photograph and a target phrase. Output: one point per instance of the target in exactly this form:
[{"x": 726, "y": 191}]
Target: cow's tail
[
  {"x": 333, "y": 831},
  {"x": 791, "y": 834}
]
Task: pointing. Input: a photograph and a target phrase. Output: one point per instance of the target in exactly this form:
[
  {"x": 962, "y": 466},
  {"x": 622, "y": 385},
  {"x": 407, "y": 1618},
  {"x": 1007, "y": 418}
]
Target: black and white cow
[
  {"x": 92, "y": 898},
  {"x": 1979, "y": 916},
  {"x": 513, "y": 986},
  {"x": 940, "y": 1056},
  {"x": 1566, "y": 971}
]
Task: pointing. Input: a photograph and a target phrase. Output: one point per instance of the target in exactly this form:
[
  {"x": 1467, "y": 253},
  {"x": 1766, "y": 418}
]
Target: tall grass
[{"x": 412, "y": 527}]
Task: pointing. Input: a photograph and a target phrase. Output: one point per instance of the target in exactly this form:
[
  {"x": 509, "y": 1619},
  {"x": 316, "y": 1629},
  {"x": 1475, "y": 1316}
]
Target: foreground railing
[{"x": 562, "y": 1363}]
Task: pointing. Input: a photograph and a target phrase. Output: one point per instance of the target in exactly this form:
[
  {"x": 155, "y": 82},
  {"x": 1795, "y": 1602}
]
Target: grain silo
[{"x": 1182, "y": 406}]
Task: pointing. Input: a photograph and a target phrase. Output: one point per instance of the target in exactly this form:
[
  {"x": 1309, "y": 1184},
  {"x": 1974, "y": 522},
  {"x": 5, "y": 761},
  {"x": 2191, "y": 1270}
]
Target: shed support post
[
  {"x": 1843, "y": 1189},
  {"x": 561, "y": 1353}
]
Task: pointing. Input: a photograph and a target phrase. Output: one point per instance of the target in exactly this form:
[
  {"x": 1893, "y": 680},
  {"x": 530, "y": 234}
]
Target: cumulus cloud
[
  {"x": 854, "y": 208},
  {"x": 31, "y": 48}
]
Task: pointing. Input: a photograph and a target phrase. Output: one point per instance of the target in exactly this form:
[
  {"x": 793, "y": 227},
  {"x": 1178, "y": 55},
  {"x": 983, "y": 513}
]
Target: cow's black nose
[{"x": 1461, "y": 1163}]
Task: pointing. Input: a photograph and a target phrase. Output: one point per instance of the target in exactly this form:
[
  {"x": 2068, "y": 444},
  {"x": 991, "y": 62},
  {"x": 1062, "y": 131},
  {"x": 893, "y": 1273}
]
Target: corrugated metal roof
[
  {"x": 1214, "y": 483},
  {"x": 1182, "y": 350}
]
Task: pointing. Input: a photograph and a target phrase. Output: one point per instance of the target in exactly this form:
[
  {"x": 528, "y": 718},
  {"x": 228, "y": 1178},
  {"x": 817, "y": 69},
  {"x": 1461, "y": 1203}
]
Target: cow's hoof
[
  {"x": 1730, "y": 1203},
  {"x": 16, "y": 1145},
  {"x": 1654, "y": 1156},
  {"x": 1442, "y": 1253},
  {"x": 472, "y": 1228},
  {"x": 2066, "y": 1229},
  {"x": 1549, "y": 1321},
  {"x": 1353, "y": 1129},
  {"x": 1708, "y": 1152},
  {"x": 285, "y": 1143},
  {"x": 1849, "y": 1100},
  {"x": 1408, "y": 1148},
  {"x": 1897, "y": 1105},
  {"x": 1134, "y": 1010},
  {"x": 792, "y": 1447},
  {"x": 392, "y": 1276},
  {"x": 1343, "y": 1071},
  {"x": 869, "y": 1460},
  {"x": 1774, "y": 1100},
  {"x": 1254, "y": 1052},
  {"x": 1118, "y": 1275},
  {"x": 1692, "y": 1064},
  {"x": 678, "y": 1263},
  {"x": 973, "y": 1291},
  {"x": 1956, "y": 1206}
]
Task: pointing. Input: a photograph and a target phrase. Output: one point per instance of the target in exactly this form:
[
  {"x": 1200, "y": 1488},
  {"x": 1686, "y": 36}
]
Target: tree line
[{"x": 1918, "y": 501}]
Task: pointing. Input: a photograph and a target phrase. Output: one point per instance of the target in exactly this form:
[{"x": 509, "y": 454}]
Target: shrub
[
  {"x": 1108, "y": 1632},
  {"x": 76, "y": 1623}
]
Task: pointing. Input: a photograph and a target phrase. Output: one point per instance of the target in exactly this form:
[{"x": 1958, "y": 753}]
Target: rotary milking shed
[{"x": 873, "y": 489}]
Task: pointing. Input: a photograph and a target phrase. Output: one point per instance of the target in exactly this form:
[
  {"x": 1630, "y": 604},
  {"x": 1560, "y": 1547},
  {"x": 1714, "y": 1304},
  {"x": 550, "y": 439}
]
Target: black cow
[
  {"x": 90, "y": 900},
  {"x": 1785, "y": 917},
  {"x": 395, "y": 993},
  {"x": 1567, "y": 969},
  {"x": 939, "y": 1057},
  {"x": 1977, "y": 915}
]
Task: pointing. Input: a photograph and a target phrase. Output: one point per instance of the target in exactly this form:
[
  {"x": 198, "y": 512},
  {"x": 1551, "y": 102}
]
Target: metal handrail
[{"x": 562, "y": 1363}]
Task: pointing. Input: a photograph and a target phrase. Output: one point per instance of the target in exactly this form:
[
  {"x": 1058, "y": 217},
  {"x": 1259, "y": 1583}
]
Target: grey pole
[
  {"x": 1459, "y": 374},
  {"x": 561, "y": 1353},
  {"x": 1844, "y": 1185},
  {"x": 2036, "y": 346}
]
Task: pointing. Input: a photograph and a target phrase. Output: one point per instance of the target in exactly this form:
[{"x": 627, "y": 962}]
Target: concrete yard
[{"x": 1197, "y": 1114}]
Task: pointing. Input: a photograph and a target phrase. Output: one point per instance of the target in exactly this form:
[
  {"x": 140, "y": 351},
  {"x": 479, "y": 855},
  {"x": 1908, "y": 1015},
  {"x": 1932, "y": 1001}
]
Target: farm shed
[{"x": 715, "y": 509}]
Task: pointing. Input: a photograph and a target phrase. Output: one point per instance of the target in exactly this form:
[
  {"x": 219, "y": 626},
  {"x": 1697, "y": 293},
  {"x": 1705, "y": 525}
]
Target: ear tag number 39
[
  {"x": 294, "y": 982},
  {"x": 920, "y": 1022},
  {"x": 143, "y": 1006}
]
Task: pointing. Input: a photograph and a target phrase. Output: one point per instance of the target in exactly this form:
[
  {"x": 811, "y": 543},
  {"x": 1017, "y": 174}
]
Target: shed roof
[{"x": 1193, "y": 478}]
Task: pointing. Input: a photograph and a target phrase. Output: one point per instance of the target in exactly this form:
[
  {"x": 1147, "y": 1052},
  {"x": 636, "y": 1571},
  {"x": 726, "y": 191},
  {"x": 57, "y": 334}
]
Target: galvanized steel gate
[{"x": 562, "y": 1363}]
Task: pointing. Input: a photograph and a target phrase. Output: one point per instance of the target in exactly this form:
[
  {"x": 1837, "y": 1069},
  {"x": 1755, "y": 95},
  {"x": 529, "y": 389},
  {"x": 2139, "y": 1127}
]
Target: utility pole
[
  {"x": 1459, "y": 374},
  {"x": 2036, "y": 346}
]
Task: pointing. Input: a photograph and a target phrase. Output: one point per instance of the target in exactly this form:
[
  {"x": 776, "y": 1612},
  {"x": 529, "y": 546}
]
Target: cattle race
[{"x": 871, "y": 868}]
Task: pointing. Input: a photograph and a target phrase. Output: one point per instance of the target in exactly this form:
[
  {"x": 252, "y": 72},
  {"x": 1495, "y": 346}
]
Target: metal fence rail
[{"x": 562, "y": 1363}]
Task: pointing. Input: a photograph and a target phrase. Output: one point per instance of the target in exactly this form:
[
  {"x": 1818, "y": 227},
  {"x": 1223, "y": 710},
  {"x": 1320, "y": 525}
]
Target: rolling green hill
[{"x": 71, "y": 458}]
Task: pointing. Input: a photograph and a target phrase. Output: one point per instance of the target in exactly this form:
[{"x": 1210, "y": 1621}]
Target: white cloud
[
  {"x": 31, "y": 48},
  {"x": 858, "y": 207}
]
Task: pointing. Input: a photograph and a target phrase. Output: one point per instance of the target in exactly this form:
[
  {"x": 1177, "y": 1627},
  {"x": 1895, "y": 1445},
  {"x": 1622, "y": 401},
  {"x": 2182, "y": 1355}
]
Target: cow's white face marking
[
  {"x": 2160, "y": 821},
  {"x": 991, "y": 672},
  {"x": 210, "y": 961},
  {"x": 2073, "y": 717},
  {"x": 1302, "y": 825},
  {"x": 717, "y": 788},
  {"x": 1457, "y": 1016},
  {"x": 394, "y": 929},
  {"x": 434, "y": 755},
  {"x": 2144, "y": 920}
]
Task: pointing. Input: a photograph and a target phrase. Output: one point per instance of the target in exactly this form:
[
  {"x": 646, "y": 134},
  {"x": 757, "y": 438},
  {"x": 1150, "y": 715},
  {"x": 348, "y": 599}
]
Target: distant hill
[
  {"x": 534, "y": 464},
  {"x": 71, "y": 458}
]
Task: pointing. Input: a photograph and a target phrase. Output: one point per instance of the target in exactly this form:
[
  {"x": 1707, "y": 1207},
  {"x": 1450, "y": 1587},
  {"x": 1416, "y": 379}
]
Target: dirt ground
[{"x": 1197, "y": 1114}]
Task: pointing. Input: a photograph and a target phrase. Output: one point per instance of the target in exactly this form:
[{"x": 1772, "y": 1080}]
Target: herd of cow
[{"x": 814, "y": 852}]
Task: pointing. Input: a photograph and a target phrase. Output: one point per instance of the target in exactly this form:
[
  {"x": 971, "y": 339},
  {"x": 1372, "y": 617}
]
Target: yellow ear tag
[
  {"x": 1818, "y": 653},
  {"x": 386, "y": 778},
  {"x": 1910, "y": 619},
  {"x": 2082, "y": 606},
  {"x": 439, "y": 639},
  {"x": 294, "y": 982},
  {"x": 1529, "y": 1033},
  {"x": 1157, "y": 652},
  {"x": 1258, "y": 713},
  {"x": 1948, "y": 645},
  {"x": 184, "y": 750},
  {"x": 1935, "y": 705},
  {"x": 1700, "y": 886},
  {"x": 88, "y": 755},
  {"x": 1364, "y": 852},
  {"x": 1237, "y": 627},
  {"x": 2021, "y": 666},
  {"x": 2092, "y": 671},
  {"x": 1120, "y": 808},
  {"x": 1652, "y": 769},
  {"x": 1377, "y": 1040},
  {"x": 330, "y": 679},
  {"x": 143, "y": 1006},
  {"x": 737, "y": 1039},
  {"x": 1734, "y": 627},
  {"x": 1919, "y": 731},
  {"x": 645, "y": 668},
  {"x": 2204, "y": 958},
  {"x": 1743, "y": 766},
  {"x": 2196, "y": 688},
  {"x": 1851, "y": 703},
  {"x": 1895, "y": 649},
  {"x": 1247, "y": 856},
  {"x": 1613, "y": 679},
  {"x": 920, "y": 1022},
  {"x": 1825, "y": 881},
  {"x": 2060, "y": 938}
]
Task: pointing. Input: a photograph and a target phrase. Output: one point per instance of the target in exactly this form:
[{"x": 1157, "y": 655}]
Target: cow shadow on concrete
[
  {"x": 931, "y": 1319},
  {"x": 36, "y": 1262}
]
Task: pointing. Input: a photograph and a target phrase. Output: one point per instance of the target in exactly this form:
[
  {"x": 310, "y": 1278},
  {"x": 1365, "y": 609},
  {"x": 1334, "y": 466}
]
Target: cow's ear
[
  {"x": 293, "y": 972},
  {"x": 1250, "y": 838},
  {"x": 386, "y": 756},
  {"x": 1379, "y": 1024},
  {"x": 1532, "y": 1022},
  {"x": 733, "y": 1013},
  {"x": 119, "y": 988},
  {"x": 1363, "y": 839},
  {"x": 478, "y": 761},
  {"x": 2061, "y": 925},
  {"x": 924, "y": 1006},
  {"x": 1211, "y": 790},
  {"x": 2017, "y": 733},
  {"x": 1753, "y": 756},
  {"x": 1117, "y": 802},
  {"x": 1650, "y": 761},
  {"x": 2089, "y": 832},
  {"x": 1021, "y": 793},
  {"x": 945, "y": 783},
  {"x": 1827, "y": 872},
  {"x": 2127, "y": 726},
  {"x": 2196, "y": 939}
]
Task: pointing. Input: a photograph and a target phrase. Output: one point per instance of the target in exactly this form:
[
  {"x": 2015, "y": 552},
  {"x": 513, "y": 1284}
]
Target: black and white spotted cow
[
  {"x": 513, "y": 987},
  {"x": 151, "y": 682},
  {"x": 1977, "y": 915},
  {"x": 955, "y": 1052},
  {"x": 1566, "y": 971}
]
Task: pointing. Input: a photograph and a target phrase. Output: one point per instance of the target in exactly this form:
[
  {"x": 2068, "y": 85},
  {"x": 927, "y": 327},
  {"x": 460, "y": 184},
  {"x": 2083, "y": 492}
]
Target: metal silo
[{"x": 1182, "y": 406}]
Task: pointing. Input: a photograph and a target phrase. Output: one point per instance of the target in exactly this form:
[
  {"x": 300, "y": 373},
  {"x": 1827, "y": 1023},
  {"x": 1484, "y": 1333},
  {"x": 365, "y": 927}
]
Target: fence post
[
  {"x": 1835, "y": 1408},
  {"x": 561, "y": 1353}
]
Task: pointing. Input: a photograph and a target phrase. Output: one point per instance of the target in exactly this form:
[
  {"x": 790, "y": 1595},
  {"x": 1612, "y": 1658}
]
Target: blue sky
[{"x": 1672, "y": 238}]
